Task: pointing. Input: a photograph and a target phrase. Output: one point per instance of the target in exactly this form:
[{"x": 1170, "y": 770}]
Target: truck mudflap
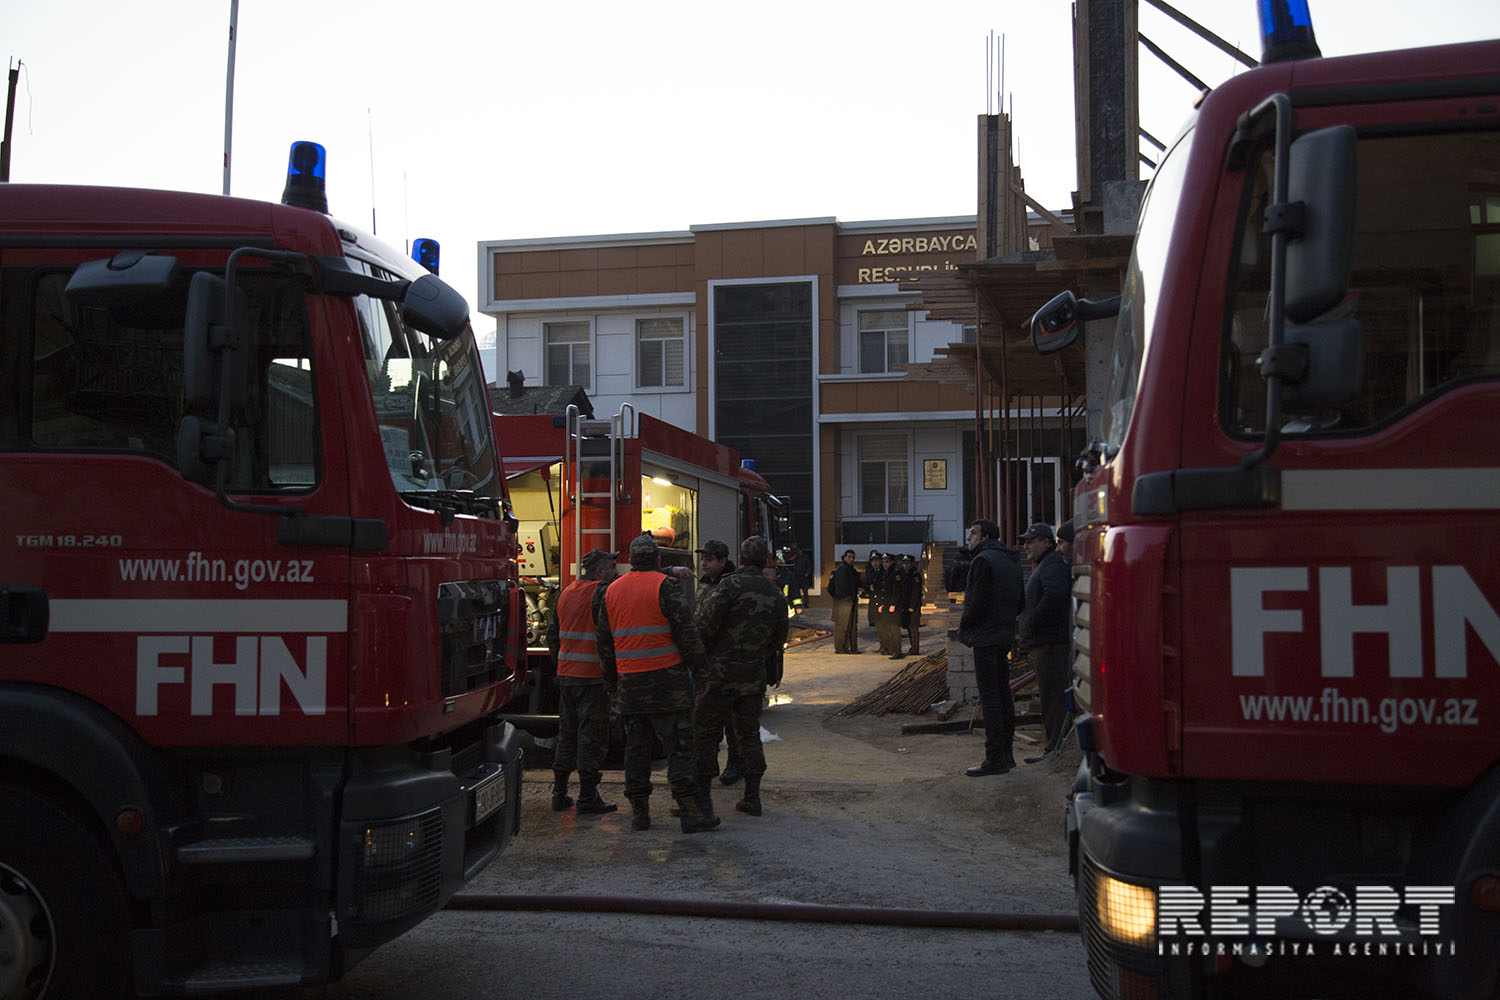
[
  {"x": 413, "y": 834},
  {"x": 1307, "y": 891}
]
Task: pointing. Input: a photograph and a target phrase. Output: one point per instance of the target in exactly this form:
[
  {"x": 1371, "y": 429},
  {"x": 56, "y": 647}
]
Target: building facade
[{"x": 793, "y": 342}]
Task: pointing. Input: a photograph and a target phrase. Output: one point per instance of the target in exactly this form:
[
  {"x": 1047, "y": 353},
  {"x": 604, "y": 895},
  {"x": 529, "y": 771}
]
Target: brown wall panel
[
  {"x": 837, "y": 397},
  {"x": 618, "y": 257},
  {"x": 708, "y": 261},
  {"x": 577, "y": 260},
  {"x": 507, "y": 286},
  {"x": 618, "y": 281},
  {"x": 533, "y": 261},
  {"x": 744, "y": 253},
  {"x": 540, "y": 286},
  {"x": 575, "y": 283},
  {"x": 785, "y": 251}
]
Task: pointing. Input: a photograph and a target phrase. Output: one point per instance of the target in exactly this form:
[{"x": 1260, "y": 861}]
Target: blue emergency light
[
  {"x": 1286, "y": 31},
  {"x": 304, "y": 177},
  {"x": 425, "y": 252}
]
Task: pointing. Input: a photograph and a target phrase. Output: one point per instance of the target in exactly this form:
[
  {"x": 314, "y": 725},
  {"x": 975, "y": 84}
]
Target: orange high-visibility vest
[
  {"x": 578, "y": 642},
  {"x": 642, "y": 634}
]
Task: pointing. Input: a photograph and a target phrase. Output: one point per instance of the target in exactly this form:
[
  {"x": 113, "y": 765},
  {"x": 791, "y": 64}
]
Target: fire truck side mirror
[
  {"x": 1335, "y": 365},
  {"x": 434, "y": 308},
  {"x": 1321, "y": 177},
  {"x": 201, "y": 446},
  {"x": 1056, "y": 324},
  {"x": 214, "y": 330}
]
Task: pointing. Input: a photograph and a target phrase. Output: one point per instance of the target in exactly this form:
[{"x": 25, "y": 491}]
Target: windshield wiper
[{"x": 454, "y": 502}]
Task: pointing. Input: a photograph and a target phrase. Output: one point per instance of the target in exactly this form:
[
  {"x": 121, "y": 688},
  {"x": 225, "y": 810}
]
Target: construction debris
[
  {"x": 916, "y": 688},
  {"x": 801, "y": 632}
]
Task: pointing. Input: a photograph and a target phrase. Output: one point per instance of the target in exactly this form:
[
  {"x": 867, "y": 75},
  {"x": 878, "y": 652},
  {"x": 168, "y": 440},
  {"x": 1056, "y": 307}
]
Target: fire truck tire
[{"x": 62, "y": 906}]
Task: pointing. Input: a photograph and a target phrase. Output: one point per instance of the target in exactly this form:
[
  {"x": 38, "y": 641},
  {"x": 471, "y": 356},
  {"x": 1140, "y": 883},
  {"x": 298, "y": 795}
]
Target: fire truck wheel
[{"x": 62, "y": 906}]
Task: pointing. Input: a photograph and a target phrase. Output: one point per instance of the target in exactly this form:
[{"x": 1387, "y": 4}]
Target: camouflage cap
[
  {"x": 643, "y": 548},
  {"x": 714, "y": 547},
  {"x": 596, "y": 556}
]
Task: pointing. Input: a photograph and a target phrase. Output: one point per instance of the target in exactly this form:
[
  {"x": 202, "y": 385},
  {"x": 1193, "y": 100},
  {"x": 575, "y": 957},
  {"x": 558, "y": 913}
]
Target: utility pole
[
  {"x": 234, "y": 18},
  {"x": 10, "y": 117}
]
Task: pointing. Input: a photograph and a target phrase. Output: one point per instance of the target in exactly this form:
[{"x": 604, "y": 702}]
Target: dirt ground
[{"x": 856, "y": 812}]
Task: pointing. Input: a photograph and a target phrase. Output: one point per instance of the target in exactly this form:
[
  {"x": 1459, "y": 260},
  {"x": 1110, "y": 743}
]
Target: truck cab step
[{"x": 237, "y": 850}]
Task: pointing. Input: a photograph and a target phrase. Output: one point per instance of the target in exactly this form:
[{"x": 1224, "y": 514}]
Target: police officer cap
[
  {"x": 714, "y": 547},
  {"x": 643, "y": 547},
  {"x": 596, "y": 556},
  {"x": 1043, "y": 531}
]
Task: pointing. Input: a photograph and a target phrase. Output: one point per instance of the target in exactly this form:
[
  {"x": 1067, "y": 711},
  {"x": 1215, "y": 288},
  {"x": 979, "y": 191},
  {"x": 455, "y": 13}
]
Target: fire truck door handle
[{"x": 23, "y": 614}]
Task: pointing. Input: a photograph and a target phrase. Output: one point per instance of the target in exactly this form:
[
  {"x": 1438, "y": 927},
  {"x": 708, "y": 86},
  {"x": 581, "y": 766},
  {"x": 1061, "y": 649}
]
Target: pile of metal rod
[{"x": 916, "y": 688}]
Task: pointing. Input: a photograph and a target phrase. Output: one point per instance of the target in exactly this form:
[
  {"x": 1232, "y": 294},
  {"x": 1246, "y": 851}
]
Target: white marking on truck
[
  {"x": 1458, "y": 605},
  {"x": 1390, "y": 489},
  {"x": 256, "y": 672},
  {"x": 197, "y": 616}
]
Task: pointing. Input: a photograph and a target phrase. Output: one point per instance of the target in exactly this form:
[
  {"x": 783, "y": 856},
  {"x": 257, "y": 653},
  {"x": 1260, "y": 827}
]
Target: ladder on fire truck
[{"x": 591, "y": 445}]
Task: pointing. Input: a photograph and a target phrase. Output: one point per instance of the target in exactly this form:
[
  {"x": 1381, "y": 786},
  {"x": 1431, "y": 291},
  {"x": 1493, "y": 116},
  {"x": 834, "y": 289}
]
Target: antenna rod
[
  {"x": 370, "y": 117},
  {"x": 234, "y": 20}
]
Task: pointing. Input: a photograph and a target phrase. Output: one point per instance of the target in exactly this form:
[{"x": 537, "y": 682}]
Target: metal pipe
[{"x": 792, "y": 912}]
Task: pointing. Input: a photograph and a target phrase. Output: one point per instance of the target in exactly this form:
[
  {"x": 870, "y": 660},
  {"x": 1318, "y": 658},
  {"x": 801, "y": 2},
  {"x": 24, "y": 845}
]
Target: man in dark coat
[
  {"x": 992, "y": 599},
  {"x": 1046, "y": 629},
  {"x": 911, "y": 604},
  {"x": 889, "y": 588},
  {"x": 870, "y": 583},
  {"x": 743, "y": 622},
  {"x": 843, "y": 587},
  {"x": 649, "y": 654}
]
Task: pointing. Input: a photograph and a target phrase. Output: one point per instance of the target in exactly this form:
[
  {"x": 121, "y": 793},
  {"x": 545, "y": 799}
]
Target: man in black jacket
[
  {"x": 1046, "y": 629},
  {"x": 843, "y": 587},
  {"x": 988, "y": 626}
]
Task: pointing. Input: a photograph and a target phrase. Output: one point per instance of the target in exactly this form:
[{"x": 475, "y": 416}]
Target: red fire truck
[
  {"x": 1288, "y": 665},
  {"x": 258, "y": 593},
  {"x": 578, "y": 484}
]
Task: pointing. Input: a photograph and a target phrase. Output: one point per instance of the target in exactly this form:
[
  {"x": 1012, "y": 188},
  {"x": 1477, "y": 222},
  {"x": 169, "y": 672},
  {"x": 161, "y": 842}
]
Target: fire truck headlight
[
  {"x": 1127, "y": 912},
  {"x": 393, "y": 843}
]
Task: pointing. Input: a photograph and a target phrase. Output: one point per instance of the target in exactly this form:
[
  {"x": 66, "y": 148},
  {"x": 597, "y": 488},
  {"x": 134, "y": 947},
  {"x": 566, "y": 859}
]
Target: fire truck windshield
[
  {"x": 1138, "y": 300},
  {"x": 430, "y": 405}
]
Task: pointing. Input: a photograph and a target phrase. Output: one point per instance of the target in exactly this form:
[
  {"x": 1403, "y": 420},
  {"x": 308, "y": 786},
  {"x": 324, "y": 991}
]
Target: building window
[
  {"x": 567, "y": 349},
  {"x": 882, "y": 340},
  {"x": 883, "y": 476},
  {"x": 660, "y": 353}
]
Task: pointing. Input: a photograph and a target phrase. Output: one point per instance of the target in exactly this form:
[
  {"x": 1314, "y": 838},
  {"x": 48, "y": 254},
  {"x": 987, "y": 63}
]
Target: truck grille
[
  {"x": 1116, "y": 971},
  {"x": 473, "y": 623},
  {"x": 1082, "y": 612},
  {"x": 400, "y": 870}
]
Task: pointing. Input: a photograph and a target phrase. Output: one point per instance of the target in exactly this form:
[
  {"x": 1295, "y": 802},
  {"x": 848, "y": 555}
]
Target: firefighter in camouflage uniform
[
  {"x": 743, "y": 623},
  {"x": 649, "y": 654}
]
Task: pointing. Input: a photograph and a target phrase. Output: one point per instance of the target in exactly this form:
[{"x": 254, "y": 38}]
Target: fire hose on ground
[{"x": 789, "y": 912}]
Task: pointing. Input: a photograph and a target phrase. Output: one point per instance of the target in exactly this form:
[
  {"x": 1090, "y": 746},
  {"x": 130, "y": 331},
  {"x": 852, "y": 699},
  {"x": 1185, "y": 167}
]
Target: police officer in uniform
[{"x": 890, "y": 592}]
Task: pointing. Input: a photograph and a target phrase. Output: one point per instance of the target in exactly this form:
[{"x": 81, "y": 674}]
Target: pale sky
[{"x": 470, "y": 120}]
